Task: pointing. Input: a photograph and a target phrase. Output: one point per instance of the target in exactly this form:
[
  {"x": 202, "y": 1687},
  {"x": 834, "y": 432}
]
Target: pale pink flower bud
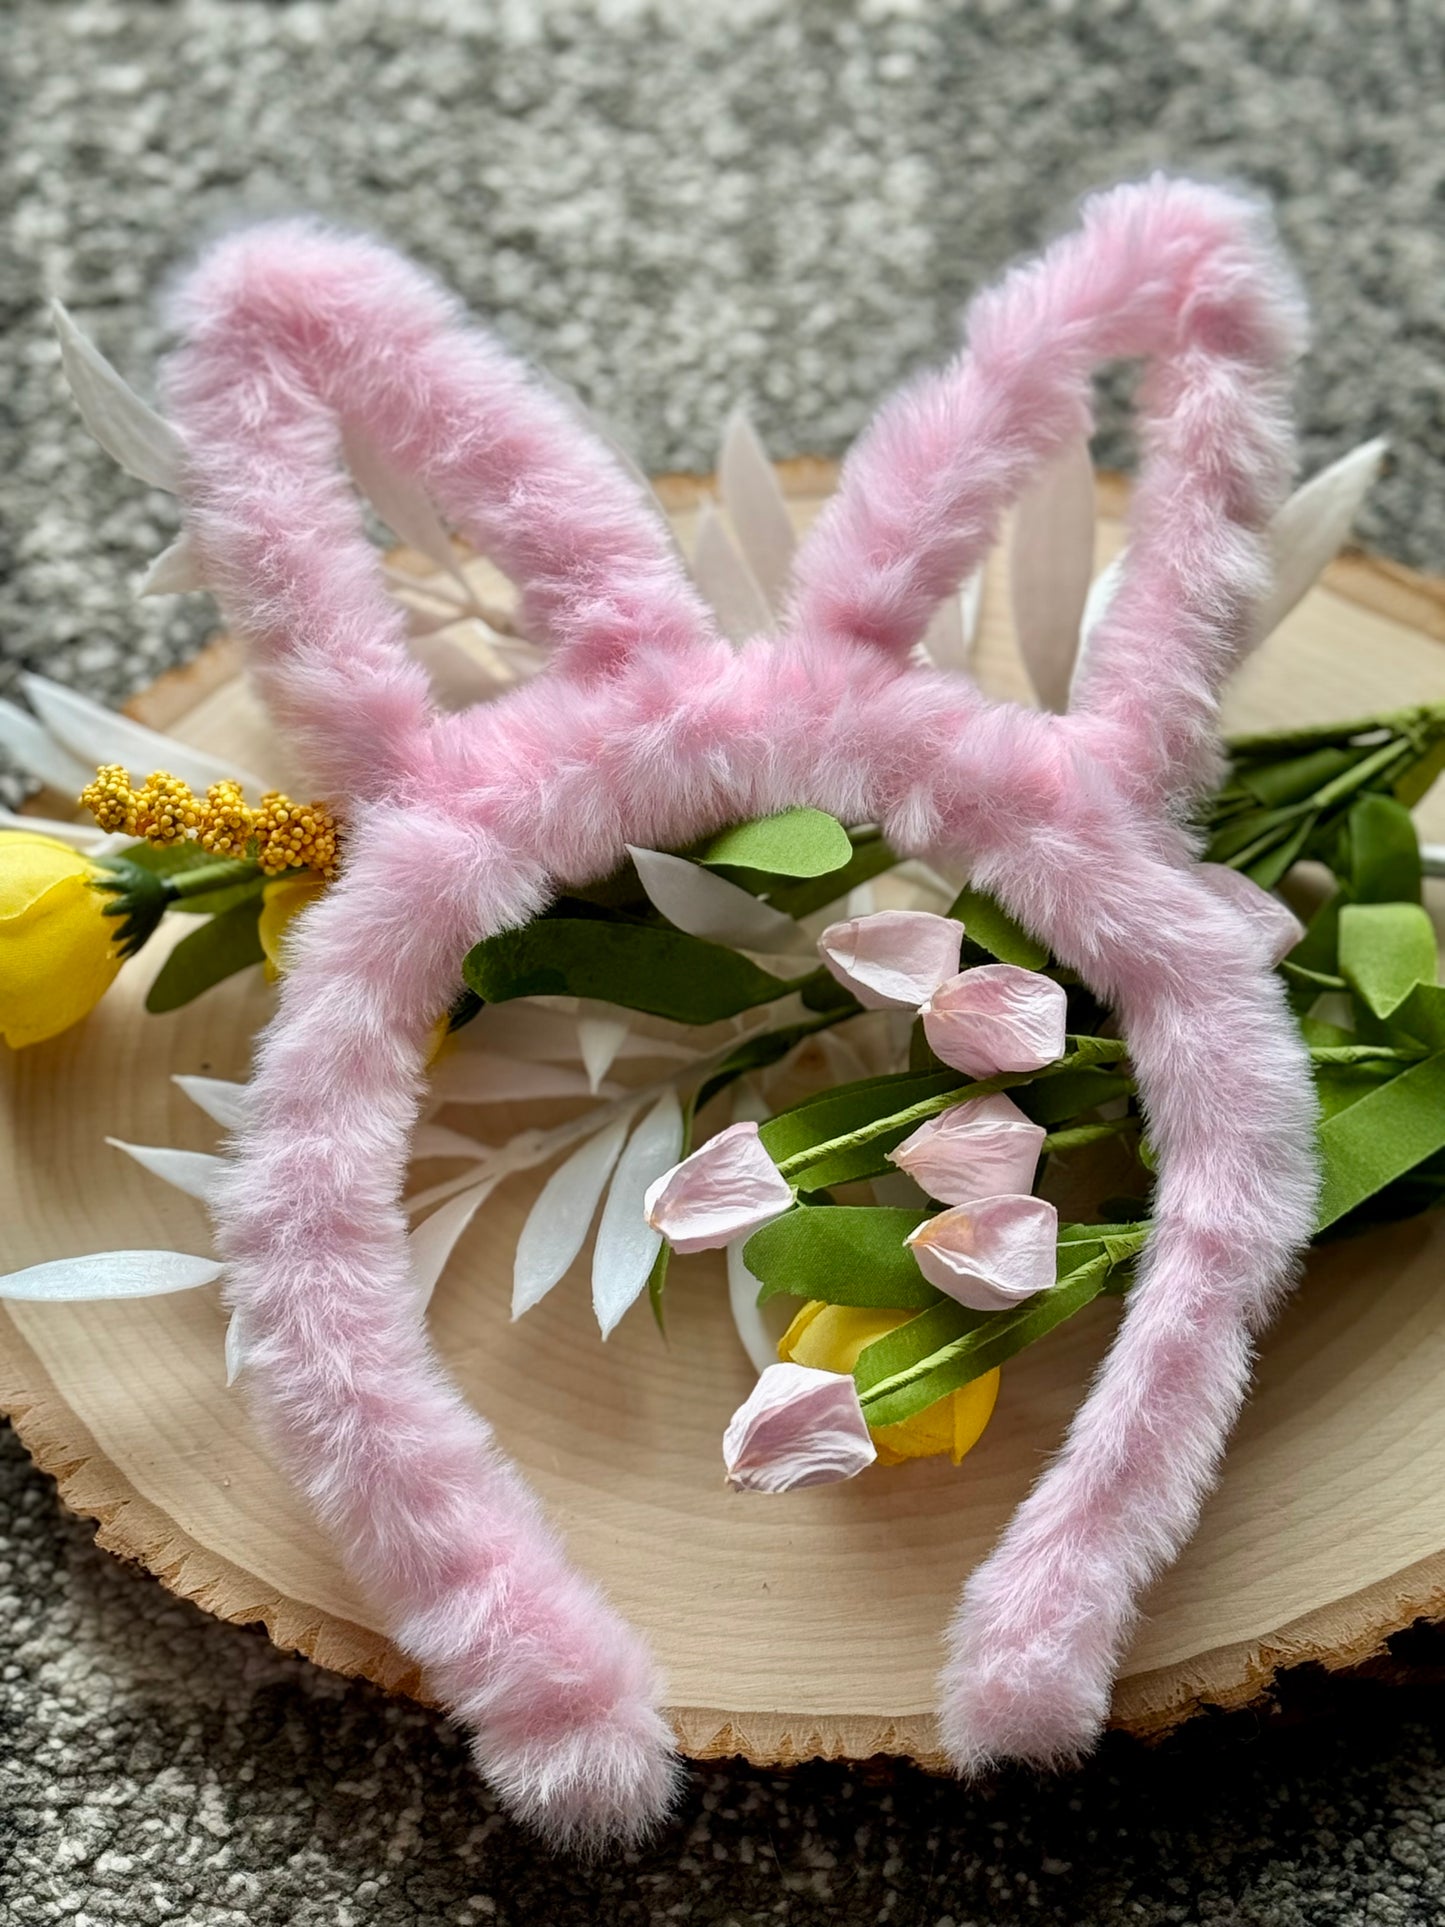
[
  {"x": 996, "y": 1018},
  {"x": 800, "y": 1426},
  {"x": 725, "y": 1190},
  {"x": 991, "y": 1254},
  {"x": 977, "y": 1150},
  {"x": 1275, "y": 924},
  {"x": 894, "y": 959}
]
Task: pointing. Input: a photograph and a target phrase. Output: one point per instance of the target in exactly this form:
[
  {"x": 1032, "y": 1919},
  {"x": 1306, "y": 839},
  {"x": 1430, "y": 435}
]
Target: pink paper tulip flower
[
  {"x": 980, "y": 1149},
  {"x": 996, "y": 1018},
  {"x": 991, "y": 1254},
  {"x": 1275, "y": 924},
  {"x": 725, "y": 1190},
  {"x": 894, "y": 959},
  {"x": 800, "y": 1426}
]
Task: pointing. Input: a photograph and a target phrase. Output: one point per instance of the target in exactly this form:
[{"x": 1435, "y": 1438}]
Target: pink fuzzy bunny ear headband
[{"x": 649, "y": 729}]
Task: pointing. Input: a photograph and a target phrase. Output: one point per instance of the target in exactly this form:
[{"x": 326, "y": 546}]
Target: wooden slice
[{"x": 788, "y": 1628}]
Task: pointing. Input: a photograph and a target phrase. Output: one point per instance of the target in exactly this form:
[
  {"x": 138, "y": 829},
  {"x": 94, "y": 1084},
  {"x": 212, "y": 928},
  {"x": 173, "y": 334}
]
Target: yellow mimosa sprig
[{"x": 277, "y": 836}]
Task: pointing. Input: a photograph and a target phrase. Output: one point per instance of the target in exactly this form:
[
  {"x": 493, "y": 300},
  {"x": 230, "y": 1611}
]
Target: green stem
[
  {"x": 1364, "y": 1054},
  {"x": 1102, "y": 1050},
  {"x": 1255, "y": 747},
  {"x": 205, "y": 877},
  {"x": 1079, "y": 1135}
]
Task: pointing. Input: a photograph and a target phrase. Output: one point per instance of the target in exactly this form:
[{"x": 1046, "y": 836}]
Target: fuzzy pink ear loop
[{"x": 650, "y": 729}]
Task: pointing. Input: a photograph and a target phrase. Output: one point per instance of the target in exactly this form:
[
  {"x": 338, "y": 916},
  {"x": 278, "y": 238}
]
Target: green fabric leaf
[
  {"x": 1385, "y": 950},
  {"x": 795, "y": 843},
  {"x": 988, "y": 925},
  {"x": 1249, "y": 832},
  {"x": 1381, "y": 1137},
  {"x": 1294, "y": 778},
  {"x": 1422, "y": 1016},
  {"x": 987, "y": 1344},
  {"x": 844, "y": 1254},
  {"x": 871, "y": 857},
  {"x": 1267, "y": 865},
  {"x": 1420, "y": 777},
  {"x": 1053, "y": 1100},
  {"x": 646, "y": 967},
  {"x": 1384, "y": 852},
  {"x": 1338, "y": 1086},
  {"x": 219, "y": 948}
]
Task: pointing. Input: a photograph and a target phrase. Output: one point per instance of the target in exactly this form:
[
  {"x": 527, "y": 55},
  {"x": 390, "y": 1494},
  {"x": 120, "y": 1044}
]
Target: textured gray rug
[{"x": 675, "y": 208}]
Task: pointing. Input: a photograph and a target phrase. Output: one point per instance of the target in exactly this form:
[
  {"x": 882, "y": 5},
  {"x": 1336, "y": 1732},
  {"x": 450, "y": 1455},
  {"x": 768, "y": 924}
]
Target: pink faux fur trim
[{"x": 650, "y": 729}]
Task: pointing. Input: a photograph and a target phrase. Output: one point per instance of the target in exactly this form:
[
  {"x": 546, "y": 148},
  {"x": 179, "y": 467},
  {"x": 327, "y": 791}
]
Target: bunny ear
[
  {"x": 299, "y": 342},
  {"x": 1170, "y": 271}
]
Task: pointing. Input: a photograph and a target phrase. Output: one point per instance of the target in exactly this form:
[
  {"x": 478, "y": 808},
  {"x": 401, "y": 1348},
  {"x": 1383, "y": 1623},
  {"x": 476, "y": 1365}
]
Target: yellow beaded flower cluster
[{"x": 279, "y": 835}]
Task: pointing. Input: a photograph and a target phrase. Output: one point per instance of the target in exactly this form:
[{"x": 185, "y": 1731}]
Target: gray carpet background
[{"x": 676, "y": 208}]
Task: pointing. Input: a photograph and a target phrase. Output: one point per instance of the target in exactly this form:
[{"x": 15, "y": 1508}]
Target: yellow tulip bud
[
  {"x": 281, "y": 901},
  {"x": 831, "y": 1337},
  {"x": 58, "y": 948}
]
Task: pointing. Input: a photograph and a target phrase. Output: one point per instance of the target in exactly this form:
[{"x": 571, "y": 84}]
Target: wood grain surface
[{"x": 788, "y": 1629}]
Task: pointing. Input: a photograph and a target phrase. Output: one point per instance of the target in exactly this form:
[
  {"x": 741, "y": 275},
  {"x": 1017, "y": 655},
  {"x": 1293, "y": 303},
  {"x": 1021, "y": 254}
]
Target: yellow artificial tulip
[
  {"x": 830, "y": 1337},
  {"x": 281, "y": 901},
  {"x": 58, "y": 949}
]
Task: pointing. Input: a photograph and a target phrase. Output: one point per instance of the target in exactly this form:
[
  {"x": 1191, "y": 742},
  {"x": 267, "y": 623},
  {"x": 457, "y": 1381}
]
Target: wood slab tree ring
[{"x": 792, "y": 1628}]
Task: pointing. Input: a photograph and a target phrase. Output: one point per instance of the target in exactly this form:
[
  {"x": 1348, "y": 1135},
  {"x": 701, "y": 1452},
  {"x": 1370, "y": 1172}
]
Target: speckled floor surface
[{"x": 676, "y": 208}]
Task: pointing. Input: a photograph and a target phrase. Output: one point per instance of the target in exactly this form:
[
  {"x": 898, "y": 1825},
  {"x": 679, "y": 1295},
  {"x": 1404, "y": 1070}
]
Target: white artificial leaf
[
  {"x": 402, "y": 503},
  {"x": 757, "y": 508},
  {"x": 706, "y": 905},
  {"x": 1102, "y": 591},
  {"x": 479, "y": 1077},
  {"x": 99, "y": 735},
  {"x": 543, "y": 1034},
  {"x": 845, "y": 1066},
  {"x": 437, "y": 1141},
  {"x": 31, "y": 745},
  {"x": 970, "y": 602},
  {"x": 127, "y": 428},
  {"x": 110, "y": 1274},
  {"x": 175, "y": 571},
  {"x": 627, "y": 1245},
  {"x": 760, "y": 1344},
  {"x": 558, "y": 1223},
  {"x": 458, "y": 679},
  {"x": 727, "y": 583},
  {"x": 235, "y": 1348},
  {"x": 600, "y": 1036},
  {"x": 84, "y": 837},
  {"x": 948, "y": 641},
  {"x": 431, "y": 1243},
  {"x": 943, "y": 639},
  {"x": 1309, "y": 530},
  {"x": 227, "y": 1103},
  {"x": 194, "y": 1172},
  {"x": 1051, "y": 561},
  {"x": 1304, "y": 536}
]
